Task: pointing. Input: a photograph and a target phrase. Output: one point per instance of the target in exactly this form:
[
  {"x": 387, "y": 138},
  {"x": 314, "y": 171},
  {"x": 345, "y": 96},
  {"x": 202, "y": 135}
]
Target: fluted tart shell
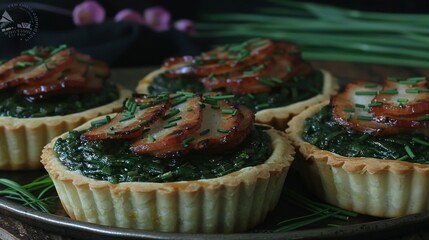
[
  {"x": 232, "y": 203},
  {"x": 377, "y": 187},
  {"x": 22, "y": 139}
]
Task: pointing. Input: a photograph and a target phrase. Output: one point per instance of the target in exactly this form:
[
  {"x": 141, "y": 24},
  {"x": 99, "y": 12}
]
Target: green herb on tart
[
  {"x": 53, "y": 81},
  {"x": 261, "y": 73},
  {"x": 390, "y": 124},
  {"x": 170, "y": 137}
]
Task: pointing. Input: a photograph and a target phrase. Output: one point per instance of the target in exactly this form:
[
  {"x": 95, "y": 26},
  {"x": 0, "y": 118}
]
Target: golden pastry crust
[
  {"x": 22, "y": 139},
  {"x": 277, "y": 117},
  {"x": 383, "y": 188},
  {"x": 232, "y": 203}
]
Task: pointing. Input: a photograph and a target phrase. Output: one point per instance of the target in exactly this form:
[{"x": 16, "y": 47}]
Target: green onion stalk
[{"x": 328, "y": 33}]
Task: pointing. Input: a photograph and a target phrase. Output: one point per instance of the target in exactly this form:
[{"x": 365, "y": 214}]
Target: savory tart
[
  {"x": 45, "y": 92},
  {"x": 269, "y": 77},
  {"x": 367, "y": 149},
  {"x": 171, "y": 163}
]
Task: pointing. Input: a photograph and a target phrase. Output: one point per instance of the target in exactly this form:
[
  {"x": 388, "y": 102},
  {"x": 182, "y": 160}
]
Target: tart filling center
[{"x": 169, "y": 137}]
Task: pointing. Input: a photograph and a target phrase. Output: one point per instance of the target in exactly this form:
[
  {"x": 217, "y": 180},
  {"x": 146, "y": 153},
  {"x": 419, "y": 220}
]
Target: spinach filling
[
  {"x": 111, "y": 160},
  {"x": 322, "y": 131},
  {"x": 13, "y": 104},
  {"x": 299, "y": 89}
]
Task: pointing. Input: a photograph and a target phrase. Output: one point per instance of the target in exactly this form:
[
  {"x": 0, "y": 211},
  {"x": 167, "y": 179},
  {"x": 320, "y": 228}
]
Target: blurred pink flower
[
  {"x": 129, "y": 15},
  {"x": 88, "y": 12},
  {"x": 158, "y": 18},
  {"x": 185, "y": 25}
]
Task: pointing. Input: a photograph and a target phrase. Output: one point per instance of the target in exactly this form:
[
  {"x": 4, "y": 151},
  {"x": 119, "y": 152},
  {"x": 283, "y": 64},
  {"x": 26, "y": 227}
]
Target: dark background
[{"x": 127, "y": 44}]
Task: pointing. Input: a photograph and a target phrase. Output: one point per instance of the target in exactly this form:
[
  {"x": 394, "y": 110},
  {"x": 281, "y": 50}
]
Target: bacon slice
[
  {"x": 221, "y": 61},
  {"x": 163, "y": 141},
  {"x": 411, "y": 99},
  {"x": 222, "y": 131},
  {"x": 8, "y": 68},
  {"x": 122, "y": 126},
  {"x": 346, "y": 110}
]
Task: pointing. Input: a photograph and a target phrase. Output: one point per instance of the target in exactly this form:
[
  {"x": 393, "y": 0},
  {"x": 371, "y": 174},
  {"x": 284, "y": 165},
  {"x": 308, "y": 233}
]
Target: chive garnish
[
  {"x": 402, "y": 100},
  {"x": 228, "y": 111},
  {"x": 364, "y": 118},
  {"x": 420, "y": 141},
  {"x": 204, "y": 132},
  {"x": 349, "y": 117},
  {"x": 423, "y": 89},
  {"x": 423, "y": 118},
  {"x": 411, "y": 90},
  {"x": 215, "y": 106},
  {"x": 403, "y": 158},
  {"x": 222, "y": 130},
  {"x": 262, "y": 105},
  {"x": 376, "y": 104},
  {"x": 266, "y": 81},
  {"x": 359, "y": 105},
  {"x": 371, "y": 85},
  {"x": 151, "y": 138},
  {"x": 251, "y": 96},
  {"x": 126, "y": 117},
  {"x": 58, "y": 49},
  {"x": 211, "y": 76},
  {"x": 98, "y": 122},
  {"x": 220, "y": 97},
  {"x": 111, "y": 132},
  {"x": 179, "y": 101},
  {"x": 364, "y": 137},
  {"x": 409, "y": 152},
  {"x": 185, "y": 143},
  {"x": 416, "y": 79},
  {"x": 412, "y": 82},
  {"x": 23, "y": 64},
  {"x": 365, "y": 93},
  {"x": 234, "y": 112},
  {"x": 174, "y": 119},
  {"x": 348, "y": 109},
  {"x": 393, "y": 79},
  {"x": 221, "y": 61},
  {"x": 169, "y": 125}
]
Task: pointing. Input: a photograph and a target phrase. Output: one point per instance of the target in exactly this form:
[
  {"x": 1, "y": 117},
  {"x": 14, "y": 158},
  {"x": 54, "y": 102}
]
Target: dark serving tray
[{"x": 356, "y": 228}]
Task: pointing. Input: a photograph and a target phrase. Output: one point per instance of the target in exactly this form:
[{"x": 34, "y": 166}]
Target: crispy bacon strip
[
  {"x": 146, "y": 112},
  {"x": 220, "y": 61},
  {"x": 410, "y": 100},
  {"x": 165, "y": 137}
]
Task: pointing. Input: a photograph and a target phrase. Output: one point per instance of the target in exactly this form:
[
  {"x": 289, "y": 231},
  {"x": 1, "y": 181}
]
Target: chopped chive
[
  {"x": 412, "y": 90},
  {"x": 416, "y": 79},
  {"x": 211, "y": 76},
  {"x": 220, "y": 97},
  {"x": 376, "y": 104},
  {"x": 172, "y": 113},
  {"x": 228, "y": 111},
  {"x": 221, "y": 61},
  {"x": 179, "y": 101},
  {"x": 389, "y": 91},
  {"x": 359, "y": 105},
  {"x": 185, "y": 143},
  {"x": 364, "y": 137},
  {"x": 402, "y": 100},
  {"x": 364, "y": 118},
  {"x": 126, "y": 117},
  {"x": 403, "y": 158},
  {"x": 410, "y": 152},
  {"x": 349, "y": 117},
  {"x": 99, "y": 122},
  {"x": 151, "y": 138},
  {"x": 251, "y": 96},
  {"x": 348, "y": 109},
  {"x": 420, "y": 141},
  {"x": 189, "y": 109},
  {"x": 423, "y": 89},
  {"x": 222, "y": 130},
  {"x": 174, "y": 119},
  {"x": 262, "y": 105},
  {"x": 215, "y": 106},
  {"x": 423, "y": 118},
  {"x": 169, "y": 125},
  {"x": 111, "y": 132},
  {"x": 108, "y": 118},
  {"x": 266, "y": 81},
  {"x": 289, "y": 68},
  {"x": 365, "y": 93},
  {"x": 412, "y": 82},
  {"x": 23, "y": 64},
  {"x": 59, "y": 49},
  {"x": 204, "y": 132},
  {"x": 276, "y": 80},
  {"x": 372, "y": 85},
  {"x": 234, "y": 112},
  {"x": 202, "y": 105}
]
